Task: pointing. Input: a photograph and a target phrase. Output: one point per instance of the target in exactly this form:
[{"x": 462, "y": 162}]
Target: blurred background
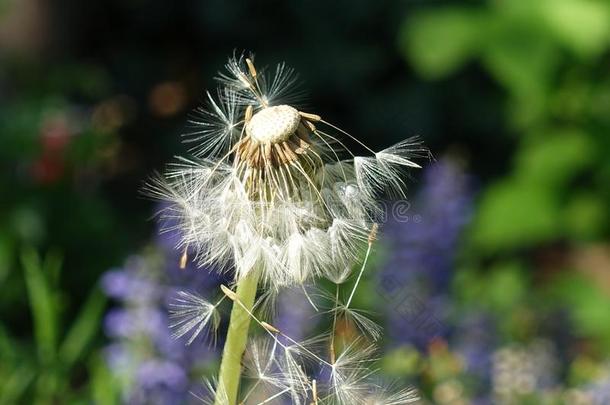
[{"x": 493, "y": 288}]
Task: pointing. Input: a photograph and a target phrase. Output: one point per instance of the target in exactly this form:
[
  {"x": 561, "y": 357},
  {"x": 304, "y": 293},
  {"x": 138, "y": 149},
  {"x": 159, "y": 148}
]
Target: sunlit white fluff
[
  {"x": 191, "y": 314},
  {"x": 310, "y": 372},
  {"x": 213, "y": 128},
  {"x": 389, "y": 395},
  {"x": 277, "y": 370},
  {"x": 349, "y": 374},
  {"x": 290, "y": 207},
  {"x": 280, "y": 86},
  {"x": 359, "y": 318},
  {"x": 213, "y": 393}
]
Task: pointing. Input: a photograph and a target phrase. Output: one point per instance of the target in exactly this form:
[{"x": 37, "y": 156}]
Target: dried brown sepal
[{"x": 309, "y": 116}]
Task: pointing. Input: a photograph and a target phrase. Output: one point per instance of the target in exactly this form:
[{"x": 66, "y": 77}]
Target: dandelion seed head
[
  {"x": 271, "y": 187},
  {"x": 274, "y": 124}
]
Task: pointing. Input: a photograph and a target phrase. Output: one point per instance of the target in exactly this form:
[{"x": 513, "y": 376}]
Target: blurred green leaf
[
  {"x": 586, "y": 217},
  {"x": 582, "y": 25},
  {"x": 16, "y": 384},
  {"x": 506, "y": 286},
  {"x": 6, "y": 254},
  {"x": 584, "y": 370},
  {"x": 523, "y": 62},
  {"x": 83, "y": 329},
  {"x": 514, "y": 214},
  {"x": 587, "y": 304},
  {"x": 104, "y": 389},
  {"x": 43, "y": 305},
  {"x": 554, "y": 157},
  {"x": 400, "y": 362},
  {"x": 499, "y": 289},
  {"x": 7, "y": 346},
  {"x": 439, "y": 42},
  {"x": 520, "y": 59},
  {"x": 52, "y": 269}
]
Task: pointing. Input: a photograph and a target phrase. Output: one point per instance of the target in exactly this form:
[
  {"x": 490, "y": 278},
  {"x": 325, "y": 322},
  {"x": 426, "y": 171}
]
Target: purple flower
[
  {"x": 599, "y": 391},
  {"x": 154, "y": 373},
  {"x": 415, "y": 278},
  {"x": 117, "y": 323},
  {"x": 156, "y": 368},
  {"x": 116, "y": 284},
  {"x": 118, "y": 357}
]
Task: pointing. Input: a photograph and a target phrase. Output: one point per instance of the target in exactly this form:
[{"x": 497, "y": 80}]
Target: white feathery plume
[
  {"x": 364, "y": 324},
  {"x": 402, "y": 153},
  {"x": 346, "y": 238},
  {"x": 259, "y": 87},
  {"x": 214, "y": 393},
  {"x": 189, "y": 313},
  {"x": 384, "y": 172},
  {"x": 349, "y": 374},
  {"x": 259, "y": 360},
  {"x": 261, "y": 364},
  {"x": 266, "y": 304},
  {"x": 215, "y": 127},
  {"x": 281, "y": 86},
  {"x": 389, "y": 395},
  {"x": 237, "y": 76},
  {"x": 338, "y": 273},
  {"x": 357, "y": 204}
]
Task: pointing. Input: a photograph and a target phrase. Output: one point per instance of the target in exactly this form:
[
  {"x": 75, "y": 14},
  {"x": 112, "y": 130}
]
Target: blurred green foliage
[
  {"x": 541, "y": 53},
  {"x": 50, "y": 372},
  {"x": 58, "y": 156},
  {"x": 524, "y": 257}
]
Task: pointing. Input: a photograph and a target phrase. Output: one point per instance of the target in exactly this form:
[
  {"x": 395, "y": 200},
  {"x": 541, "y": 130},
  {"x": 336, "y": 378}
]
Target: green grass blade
[
  {"x": 16, "y": 384},
  {"x": 83, "y": 329},
  {"x": 42, "y": 303},
  {"x": 104, "y": 387},
  {"x": 7, "y": 346}
]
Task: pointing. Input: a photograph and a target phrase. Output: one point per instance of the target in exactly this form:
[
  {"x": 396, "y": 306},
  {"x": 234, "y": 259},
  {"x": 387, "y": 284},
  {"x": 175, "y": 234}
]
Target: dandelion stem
[{"x": 237, "y": 337}]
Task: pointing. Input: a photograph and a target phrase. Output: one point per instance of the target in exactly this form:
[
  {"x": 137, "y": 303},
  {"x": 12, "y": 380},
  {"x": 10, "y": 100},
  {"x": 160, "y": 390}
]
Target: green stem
[{"x": 237, "y": 337}]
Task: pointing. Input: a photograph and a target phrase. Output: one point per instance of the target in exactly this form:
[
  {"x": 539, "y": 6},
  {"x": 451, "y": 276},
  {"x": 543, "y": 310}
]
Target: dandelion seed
[
  {"x": 360, "y": 320},
  {"x": 357, "y": 317},
  {"x": 192, "y": 314},
  {"x": 349, "y": 374},
  {"x": 214, "y": 128},
  {"x": 388, "y": 395},
  {"x": 260, "y": 364},
  {"x": 214, "y": 393}
]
